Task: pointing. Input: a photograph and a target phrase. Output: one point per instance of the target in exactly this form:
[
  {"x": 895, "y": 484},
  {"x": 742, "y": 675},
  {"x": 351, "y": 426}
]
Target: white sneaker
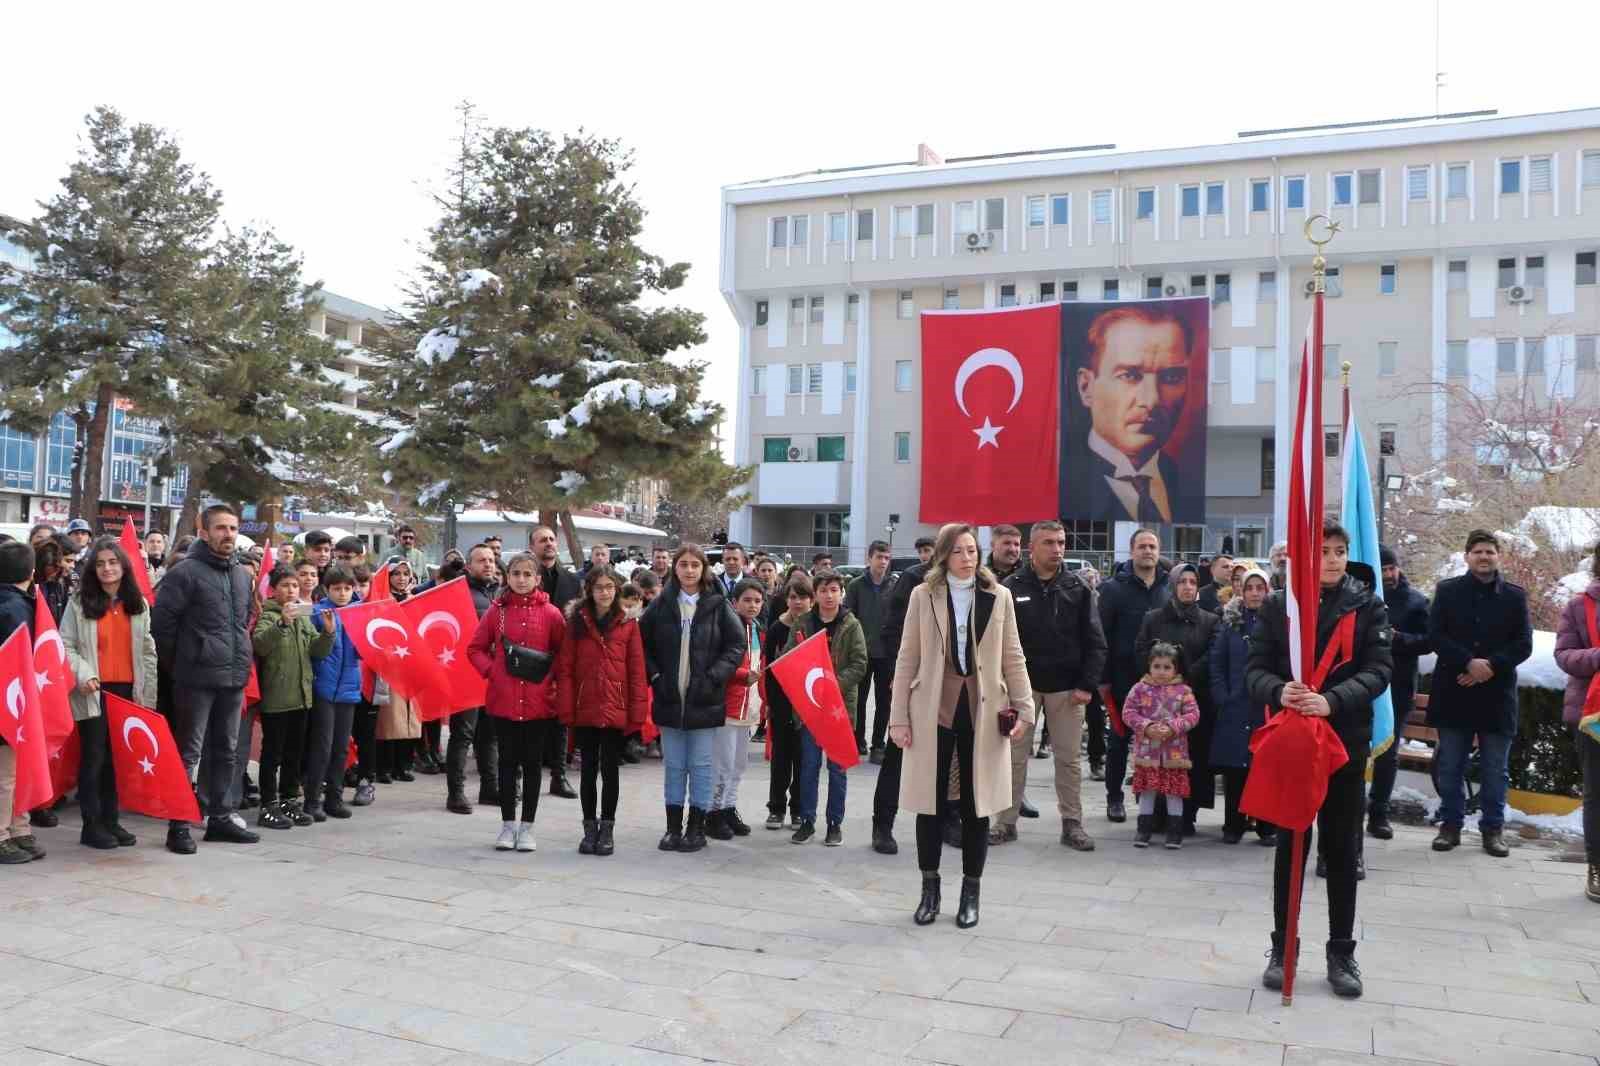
[
  {"x": 525, "y": 838},
  {"x": 507, "y": 838}
]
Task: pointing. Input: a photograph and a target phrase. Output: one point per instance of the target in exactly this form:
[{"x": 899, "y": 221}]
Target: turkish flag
[
  {"x": 22, "y": 722},
  {"x": 53, "y": 677},
  {"x": 151, "y": 779},
  {"x": 420, "y": 647},
  {"x": 264, "y": 586},
  {"x": 991, "y": 414},
  {"x": 806, "y": 674},
  {"x": 377, "y": 589},
  {"x": 64, "y": 767},
  {"x": 135, "y": 550}
]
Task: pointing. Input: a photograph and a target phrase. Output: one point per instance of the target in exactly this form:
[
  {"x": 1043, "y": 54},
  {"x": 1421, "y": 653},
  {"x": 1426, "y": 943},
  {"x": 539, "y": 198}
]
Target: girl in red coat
[
  {"x": 603, "y": 695},
  {"x": 525, "y": 710}
]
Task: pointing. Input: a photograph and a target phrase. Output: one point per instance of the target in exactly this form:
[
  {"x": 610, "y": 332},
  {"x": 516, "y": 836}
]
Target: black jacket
[
  {"x": 560, "y": 584},
  {"x": 483, "y": 594},
  {"x": 1192, "y": 634},
  {"x": 1472, "y": 619},
  {"x": 201, "y": 620},
  {"x": 1351, "y": 686},
  {"x": 716, "y": 648},
  {"x": 1408, "y": 623},
  {"x": 16, "y": 612},
  {"x": 1209, "y": 601},
  {"x": 870, "y": 604},
  {"x": 894, "y": 622},
  {"x": 1060, "y": 629},
  {"x": 1124, "y": 601}
]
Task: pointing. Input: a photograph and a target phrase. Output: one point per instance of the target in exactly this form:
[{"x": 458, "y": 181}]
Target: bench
[{"x": 1416, "y": 728}]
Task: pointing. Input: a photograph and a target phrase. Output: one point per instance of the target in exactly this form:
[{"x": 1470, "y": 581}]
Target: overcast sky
[{"x": 331, "y": 121}]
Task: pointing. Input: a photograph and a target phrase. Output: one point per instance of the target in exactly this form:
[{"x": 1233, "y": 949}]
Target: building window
[
  {"x": 1294, "y": 193},
  {"x": 952, "y": 299},
  {"x": 800, "y": 230},
  {"x": 1197, "y": 284},
  {"x": 1088, "y": 535},
  {"x": 1260, "y": 195},
  {"x": 1385, "y": 441},
  {"x": 1100, "y": 206},
  {"x": 924, "y": 220},
  {"x": 1584, "y": 272},
  {"x": 1455, "y": 279},
  {"x": 907, "y": 305},
  {"x": 1533, "y": 272},
  {"x": 1047, "y": 292},
  {"x": 1387, "y": 278},
  {"x": 1189, "y": 201},
  {"x": 1214, "y": 198},
  {"x": 1533, "y": 356},
  {"x": 1584, "y": 354},
  {"x": 1455, "y": 181},
  {"x": 1266, "y": 286},
  {"x": 1266, "y": 365},
  {"x": 1188, "y": 542},
  {"x": 829, "y": 528},
  {"x": 852, "y": 307},
  {"x": 1539, "y": 174},
  {"x": 1144, "y": 204},
  {"x": 1506, "y": 273},
  {"x": 966, "y": 216},
  {"x": 797, "y": 379},
  {"x": 1060, "y": 209},
  {"x": 1455, "y": 359},
  {"x": 1330, "y": 361},
  {"x": 1269, "y": 465},
  {"x": 816, "y": 310},
  {"x": 19, "y": 459},
  {"x": 994, "y": 213},
  {"x": 1505, "y": 357},
  {"x": 1342, "y": 189},
  {"x": 849, "y": 378},
  {"x": 902, "y": 375},
  {"x": 1510, "y": 176},
  {"x": 761, "y": 312},
  {"x": 830, "y": 449},
  {"x": 837, "y": 228},
  {"x": 797, "y": 311},
  {"x": 60, "y": 446},
  {"x": 1222, "y": 290},
  {"x": 780, "y": 231},
  {"x": 1369, "y": 186},
  {"x": 1069, "y": 290},
  {"x": 1008, "y": 295},
  {"x": 775, "y": 450},
  {"x": 814, "y": 378},
  {"x": 1388, "y": 352},
  {"x": 902, "y": 447},
  {"x": 1418, "y": 181},
  {"x": 334, "y": 329},
  {"x": 1591, "y": 168},
  {"x": 1035, "y": 212},
  {"x": 864, "y": 220},
  {"x": 905, "y": 220},
  {"x": 1333, "y": 281},
  {"x": 1112, "y": 290},
  {"x": 1330, "y": 444},
  {"x": 758, "y": 381},
  {"x": 1220, "y": 366},
  {"x": 1152, "y": 286}
]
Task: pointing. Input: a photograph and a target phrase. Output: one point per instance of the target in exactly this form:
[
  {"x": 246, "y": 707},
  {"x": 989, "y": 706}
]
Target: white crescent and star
[
  {"x": 377, "y": 625},
  {"x": 813, "y": 675},
  {"x": 135, "y": 724},
  {"x": 989, "y": 433},
  {"x": 14, "y": 699},
  {"x": 51, "y": 637},
  {"x": 448, "y": 620}
]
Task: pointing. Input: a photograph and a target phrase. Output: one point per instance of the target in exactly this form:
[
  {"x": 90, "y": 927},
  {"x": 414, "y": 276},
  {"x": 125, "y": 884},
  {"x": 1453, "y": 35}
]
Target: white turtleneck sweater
[{"x": 961, "y": 597}]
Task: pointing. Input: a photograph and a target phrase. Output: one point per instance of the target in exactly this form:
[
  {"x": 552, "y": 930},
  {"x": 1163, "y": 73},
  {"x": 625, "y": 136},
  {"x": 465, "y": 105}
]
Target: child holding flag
[
  {"x": 732, "y": 745},
  {"x": 285, "y": 642},
  {"x": 17, "y": 843}
]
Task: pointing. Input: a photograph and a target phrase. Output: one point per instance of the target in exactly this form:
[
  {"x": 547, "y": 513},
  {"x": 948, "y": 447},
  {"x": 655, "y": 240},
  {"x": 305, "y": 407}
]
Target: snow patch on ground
[
  {"x": 396, "y": 442},
  {"x": 547, "y": 381}
]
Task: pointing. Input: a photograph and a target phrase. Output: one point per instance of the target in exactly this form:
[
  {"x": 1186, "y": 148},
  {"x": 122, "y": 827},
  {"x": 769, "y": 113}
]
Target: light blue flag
[{"x": 1359, "y": 517}]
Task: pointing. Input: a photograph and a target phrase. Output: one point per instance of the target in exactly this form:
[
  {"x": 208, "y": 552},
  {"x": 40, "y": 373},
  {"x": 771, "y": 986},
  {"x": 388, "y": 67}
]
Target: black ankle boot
[
  {"x": 967, "y": 910},
  {"x": 717, "y": 827},
  {"x": 591, "y": 830},
  {"x": 1272, "y": 976},
  {"x": 1141, "y": 835},
  {"x": 673, "y": 837},
  {"x": 928, "y": 909},
  {"x": 603, "y": 843},
  {"x": 1343, "y": 973},
  {"x": 694, "y": 834}
]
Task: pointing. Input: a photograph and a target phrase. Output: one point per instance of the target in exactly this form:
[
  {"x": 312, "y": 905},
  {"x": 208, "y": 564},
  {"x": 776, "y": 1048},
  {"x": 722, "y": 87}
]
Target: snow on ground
[
  {"x": 1540, "y": 671},
  {"x": 1563, "y": 528}
]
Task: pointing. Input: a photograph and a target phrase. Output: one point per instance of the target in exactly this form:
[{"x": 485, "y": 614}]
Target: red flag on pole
[
  {"x": 64, "y": 767},
  {"x": 264, "y": 586},
  {"x": 53, "y": 677},
  {"x": 151, "y": 779},
  {"x": 22, "y": 722},
  {"x": 135, "y": 550},
  {"x": 806, "y": 674},
  {"x": 377, "y": 589},
  {"x": 420, "y": 647}
]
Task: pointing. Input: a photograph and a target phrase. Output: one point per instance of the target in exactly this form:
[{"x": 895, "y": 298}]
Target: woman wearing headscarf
[
  {"x": 1237, "y": 715},
  {"x": 1181, "y": 621},
  {"x": 399, "y": 729}
]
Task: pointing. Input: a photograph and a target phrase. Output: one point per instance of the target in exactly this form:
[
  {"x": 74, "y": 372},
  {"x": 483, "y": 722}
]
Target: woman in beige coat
[{"x": 960, "y": 670}]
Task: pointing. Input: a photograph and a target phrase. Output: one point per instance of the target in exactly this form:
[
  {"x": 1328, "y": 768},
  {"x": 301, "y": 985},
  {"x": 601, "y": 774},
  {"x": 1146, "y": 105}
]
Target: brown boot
[{"x": 1592, "y": 886}]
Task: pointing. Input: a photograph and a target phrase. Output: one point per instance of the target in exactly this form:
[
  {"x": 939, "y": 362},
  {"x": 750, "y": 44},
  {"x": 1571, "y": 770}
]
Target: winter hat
[{"x": 1386, "y": 556}]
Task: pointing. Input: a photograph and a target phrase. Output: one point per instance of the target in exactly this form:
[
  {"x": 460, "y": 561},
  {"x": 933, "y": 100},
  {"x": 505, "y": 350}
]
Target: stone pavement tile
[
  {"x": 334, "y": 1045},
  {"x": 1186, "y": 993},
  {"x": 969, "y": 1049},
  {"x": 233, "y": 1023},
  {"x": 922, "y": 982},
  {"x": 65, "y": 1030},
  {"x": 599, "y": 963},
  {"x": 514, "y": 940},
  {"x": 700, "y": 953},
  {"x": 1055, "y": 955},
  {"x": 1590, "y": 990},
  {"x": 22, "y": 976},
  {"x": 1082, "y": 1034},
  {"x": 160, "y": 1047},
  {"x": 33, "y": 1057},
  {"x": 518, "y": 1041},
  {"x": 622, "y": 1023},
  {"x": 286, "y": 994},
  {"x": 1584, "y": 1015},
  {"x": 1101, "y": 939},
  {"x": 1414, "y": 1027},
  {"x": 856, "y": 1031},
  {"x": 44, "y": 942},
  {"x": 943, "y": 1014},
  {"x": 132, "y": 962},
  {"x": 1406, "y": 934},
  {"x": 1111, "y": 1006},
  {"x": 720, "y": 1045},
  {"x": 803, "y": 995},
  {"x": 728, "y": 1009},
  {"x": 1315, "y": 1056},
  {"x": 426, "y": 988},
  {"x": 595, "y": 1053},
  {"x": 1163, "y": 1043},
  {"x": 1340, "y": 1026}
]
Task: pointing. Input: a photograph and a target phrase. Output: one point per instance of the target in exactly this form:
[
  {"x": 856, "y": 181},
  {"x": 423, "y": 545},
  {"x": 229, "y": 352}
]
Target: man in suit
[
  {"x": 733, "y": 566},
  {"x": 1133, "y": 377}
]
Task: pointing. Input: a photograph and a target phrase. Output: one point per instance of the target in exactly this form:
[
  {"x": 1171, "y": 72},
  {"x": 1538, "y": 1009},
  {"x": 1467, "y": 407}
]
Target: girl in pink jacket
[{"x": 1159, "y": 712}]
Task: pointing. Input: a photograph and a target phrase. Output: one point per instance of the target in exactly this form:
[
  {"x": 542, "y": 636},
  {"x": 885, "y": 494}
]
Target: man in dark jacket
[
  {"x": 472, "y": 728},
  {"x": 1345, "y": 699},
  {"x": 1217, "y": 576},
  {"x": 1408, "y": 622},
  {"x": 1066, "y": 651},
  {"x": 886, "y": 794},
  {"x": 868, "y": 599},
  {"x": 1183, "y": 623},
  {"x": 1480, "y": 627},
  {"x": 562, "y": 586},
  {"x": 1125, "y": 599},
  {"x": 1005, "y": 551},
  {"x": 17, "y": 842},
  {"x": 201, "y": 625}
]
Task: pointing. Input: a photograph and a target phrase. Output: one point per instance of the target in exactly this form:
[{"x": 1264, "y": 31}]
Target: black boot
[
  {"x": 95, "y": 835},
  {"x": 603, "y": 842},
  {"x": 883, "y": 841},
  {"x": 560, "y": 787},
  {"x": 928, "y": 909},
  {"x": 967, "y": 910},
  {"x": 694, "y": 834},
  {"x": 1378, "y": 825},
  {"x": 1174, "y": 833},
  {"x": 1272, "y": 976},
  {"x": 672, "y": 840},
  {"x": 717, "y": 827},
  {"x": 457, "y": 803},
  {"x": 1343, "y": 973},
  {"x": 730, "y": 818},
  {"x": 1141, "y": 834},
  {"x": 591, "y": 830}
]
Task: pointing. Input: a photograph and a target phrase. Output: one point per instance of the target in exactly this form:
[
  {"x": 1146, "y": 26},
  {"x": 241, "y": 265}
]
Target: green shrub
[{"x": 1544, "y": 756}]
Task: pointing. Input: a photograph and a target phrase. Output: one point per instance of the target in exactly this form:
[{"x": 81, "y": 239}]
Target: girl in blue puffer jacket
[{"x": 336, "y": 686}]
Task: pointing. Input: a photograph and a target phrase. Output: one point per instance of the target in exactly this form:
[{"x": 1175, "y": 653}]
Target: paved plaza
[{"x": 400, "y": 938}]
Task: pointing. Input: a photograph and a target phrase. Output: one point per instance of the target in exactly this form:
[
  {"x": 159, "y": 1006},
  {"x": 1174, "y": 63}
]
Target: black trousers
[
  {"x": 364, "y": 731},
  {"x": 97, "y": 777},
  {"x": 283, "y": 744},
  {"x": 465, "y": 728},
  {"x": 880, "y": 674},
  {"x": 1339, "y": 825},
  {"x": 555, "y": 751},
  {"x": 431, "y": 735},
  {"x": 1233, "y": 781},
  {"x": 602, "y": 758},
  {"x": 1094, "y": 718},
  {"x": 886, "y": 796},
  {"x": 1589, "y": 759},
  {"x": 327, "y": 749},
  {"x": 783, "y": 793},
  {"x": 1385, "y": 768},
  {"x": 955, "y": 743},
  {"x": 522, "y": 747},
  {"x": 395, "y": 755}
]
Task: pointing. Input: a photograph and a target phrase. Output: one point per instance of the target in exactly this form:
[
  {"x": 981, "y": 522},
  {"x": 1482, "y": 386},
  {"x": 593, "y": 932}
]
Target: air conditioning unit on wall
[
  {"x": 1518, "y": 294},
  {"x": 797, "y": 454},
  {"x": 979, "y": 242},
  {"x": 1173, "y": 290}
]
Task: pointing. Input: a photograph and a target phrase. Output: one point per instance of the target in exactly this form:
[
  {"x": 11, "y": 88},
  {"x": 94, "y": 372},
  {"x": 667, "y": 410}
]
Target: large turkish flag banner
[
  {"x": 54, "y": 677},
  {"x": 990, "y": 415},
  {"x": 151, "y": 779}
]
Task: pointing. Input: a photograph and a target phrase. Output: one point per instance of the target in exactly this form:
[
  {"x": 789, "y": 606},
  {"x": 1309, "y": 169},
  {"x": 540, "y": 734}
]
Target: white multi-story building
[{"x": 1467, "y": 255}]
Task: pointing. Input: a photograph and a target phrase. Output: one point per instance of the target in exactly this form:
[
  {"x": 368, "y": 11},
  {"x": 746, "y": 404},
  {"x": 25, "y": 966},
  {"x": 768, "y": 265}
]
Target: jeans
[
  {"x": 810, "y": 769},
  {"x": 1494, "y": 752},
  {"x": 208, "y": 722},
  {"x": 522, "y": 747},
  {"x": 686, "y": 753},
  {"x": 955, "y": 744},
  {"x": 783, "y": 791},
  {"x": 327, "y": 748},
  {"x": 1589, "y": 759},
  {"x": 283, "y": 744},
  {"x": 247, "y": 727},
  {"x": 880, "y": 676},
  {"x": 97, "y": 779},
  {"x": 602, "y": 755},
  {"x": 730, "y": 752},
  {"x": 1339, "y": 823},
  {"x": 1384, "y": 770}
]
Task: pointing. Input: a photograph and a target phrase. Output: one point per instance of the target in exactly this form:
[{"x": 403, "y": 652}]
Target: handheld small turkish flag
[
  {"x": 420, "y": 647},
  {"x": 268, "y": 561},
  {"x": 53, "y": 677},
  {"x": 378, "y": 589},
  {"x": 22, "y": 722},
  {"x": 806, "y": 674},
  {"x": 150, "y": 775},
  {"x": 64, "y": 767},
  {"x": 135, "y": 550}
]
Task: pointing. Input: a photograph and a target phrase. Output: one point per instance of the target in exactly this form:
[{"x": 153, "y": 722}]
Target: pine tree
[{"x": 525, "y": 368}]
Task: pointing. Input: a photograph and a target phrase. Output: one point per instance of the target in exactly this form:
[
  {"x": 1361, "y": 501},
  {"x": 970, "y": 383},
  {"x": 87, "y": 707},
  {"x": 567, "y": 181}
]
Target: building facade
[{"x": 1466, "y": 257}]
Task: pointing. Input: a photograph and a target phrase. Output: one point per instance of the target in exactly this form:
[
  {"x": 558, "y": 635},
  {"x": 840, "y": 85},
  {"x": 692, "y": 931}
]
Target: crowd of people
[{"x": 964, "y": 663}]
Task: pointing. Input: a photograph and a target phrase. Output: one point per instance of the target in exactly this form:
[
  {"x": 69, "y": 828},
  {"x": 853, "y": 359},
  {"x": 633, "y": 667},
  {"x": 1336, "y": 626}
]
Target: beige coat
[
  {"x": 1002, "y": 675},
  {"x": 80, "y": 636}
]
